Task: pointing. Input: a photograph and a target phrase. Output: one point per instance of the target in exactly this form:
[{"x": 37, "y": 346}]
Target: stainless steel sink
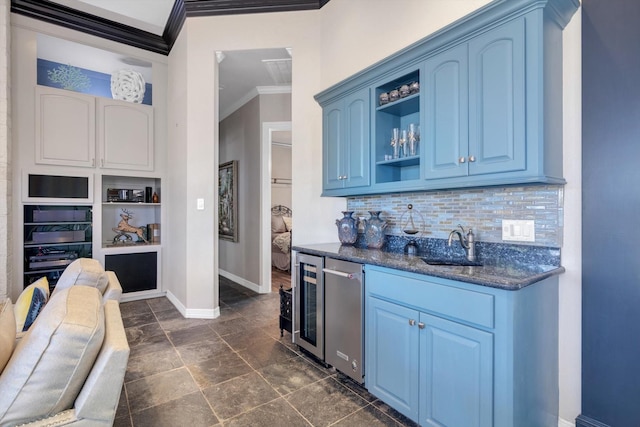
[{"x": 461, "y": 262}]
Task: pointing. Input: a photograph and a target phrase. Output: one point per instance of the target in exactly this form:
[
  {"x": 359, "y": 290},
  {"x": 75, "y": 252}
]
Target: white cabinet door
[
  {"x": 125, "y": 135},
  {"x": 65, "y": 128}
]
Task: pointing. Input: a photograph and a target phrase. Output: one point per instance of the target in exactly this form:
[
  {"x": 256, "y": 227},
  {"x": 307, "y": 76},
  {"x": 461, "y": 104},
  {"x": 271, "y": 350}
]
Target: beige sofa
[{"x": 68, "y": 368}]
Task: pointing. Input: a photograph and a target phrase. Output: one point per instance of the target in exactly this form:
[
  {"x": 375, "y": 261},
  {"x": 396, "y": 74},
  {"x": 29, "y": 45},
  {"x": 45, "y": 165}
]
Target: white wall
[
  {"x": 570, "y": 297},
  {"x": 281, "y": 168}
]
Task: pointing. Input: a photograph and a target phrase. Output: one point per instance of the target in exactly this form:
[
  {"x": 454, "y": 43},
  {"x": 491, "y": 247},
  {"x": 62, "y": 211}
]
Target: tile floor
[{"x": 233, "y": 371}]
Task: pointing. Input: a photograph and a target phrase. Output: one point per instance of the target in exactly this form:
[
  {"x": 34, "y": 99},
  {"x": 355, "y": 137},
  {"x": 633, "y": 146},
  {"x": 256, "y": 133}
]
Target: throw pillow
[
  {"x": 30, "y": 303},
  {"x": 288, "y": 222},
  {"x": 83, "y": 271},
  {"x": 277, "y": 224},
  {"x": 283, "y": 242},
  {"x": 7, "y": 332},
  {"x": 53, "y": 359}
]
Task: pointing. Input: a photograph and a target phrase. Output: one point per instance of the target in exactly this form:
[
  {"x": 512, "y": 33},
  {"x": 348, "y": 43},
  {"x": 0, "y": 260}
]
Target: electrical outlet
[{"x": 518, "y": 230}]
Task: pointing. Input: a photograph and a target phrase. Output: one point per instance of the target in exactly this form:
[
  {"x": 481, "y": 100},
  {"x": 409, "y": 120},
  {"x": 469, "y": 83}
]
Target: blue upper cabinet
[
  {"x": 487, "y": 103},
  {"x": 346, "y": 143},
  {"x": 445, "y": 134},
  {"x": 497, "y": 139}
]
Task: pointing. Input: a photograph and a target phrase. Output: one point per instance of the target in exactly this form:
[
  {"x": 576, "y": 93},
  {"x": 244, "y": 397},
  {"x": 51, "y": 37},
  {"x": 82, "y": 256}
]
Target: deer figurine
[{"x": 124, "y": 227}]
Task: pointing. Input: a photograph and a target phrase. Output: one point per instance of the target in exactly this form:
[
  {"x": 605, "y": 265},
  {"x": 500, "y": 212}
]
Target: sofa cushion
[
  {"x": 51, "y": 362},
  {"x": 7, "y": 332},
  {"x": 83, "y": 271},
  {"x": 30, "y": 302}
]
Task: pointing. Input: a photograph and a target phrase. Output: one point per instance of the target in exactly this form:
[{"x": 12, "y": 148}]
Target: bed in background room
[{"x": 281, "y": 237}]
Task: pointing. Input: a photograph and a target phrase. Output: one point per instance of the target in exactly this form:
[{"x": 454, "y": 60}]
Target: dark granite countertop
[{"x": 498, "y": 273}]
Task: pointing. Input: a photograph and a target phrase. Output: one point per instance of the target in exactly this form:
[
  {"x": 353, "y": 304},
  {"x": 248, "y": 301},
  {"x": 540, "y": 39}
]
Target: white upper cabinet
[
  {"x": 125, "y": 135},
  {"x": 71, "y": 128},
  {"x": 65, "y": 128}
]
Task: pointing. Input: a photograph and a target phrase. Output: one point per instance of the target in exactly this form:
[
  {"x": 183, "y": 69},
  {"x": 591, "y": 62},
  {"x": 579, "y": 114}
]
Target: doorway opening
[{"x": 255, "y": 113}]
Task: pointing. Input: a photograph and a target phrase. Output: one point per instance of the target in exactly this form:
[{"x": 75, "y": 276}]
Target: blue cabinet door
[
  {"x": 332, "y": 146},
  {"x": 497, "y": 140},
  {"x": 392, "y": 338},
  {"x": 456, "y": 374},
  {"x": 445, "y": 134},
  {"x": 357, "y": 143},
  {"x": 346, "y": 161}
]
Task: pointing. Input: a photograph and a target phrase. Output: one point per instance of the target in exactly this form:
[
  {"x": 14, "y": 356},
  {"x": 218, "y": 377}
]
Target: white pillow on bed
[
  {"x": 283, "y": 242},
  {"x": 288, "y": 222}
]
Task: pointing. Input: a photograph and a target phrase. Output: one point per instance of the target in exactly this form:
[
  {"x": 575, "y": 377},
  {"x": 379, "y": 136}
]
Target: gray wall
[{"x": 240, "y": 138}]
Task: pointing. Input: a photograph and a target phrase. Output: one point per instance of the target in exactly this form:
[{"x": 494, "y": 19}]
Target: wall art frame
[{"x": 228, "y": 201}]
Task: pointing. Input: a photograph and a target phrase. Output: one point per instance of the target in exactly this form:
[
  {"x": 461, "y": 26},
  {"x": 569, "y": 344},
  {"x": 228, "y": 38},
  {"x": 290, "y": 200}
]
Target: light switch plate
[
  {"x": 518, "y": 230},
  {"x": 200, "y": 204}
]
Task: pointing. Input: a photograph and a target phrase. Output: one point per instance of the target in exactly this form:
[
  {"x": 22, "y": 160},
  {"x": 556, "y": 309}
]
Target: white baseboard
[
  {"x": 239, "y": 280},
  {"x": 193, "y": 313},
  {"x": 565, "y": 423}
]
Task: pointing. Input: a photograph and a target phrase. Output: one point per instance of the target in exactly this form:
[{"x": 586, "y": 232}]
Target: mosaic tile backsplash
[{"x": 481, "y": 209}]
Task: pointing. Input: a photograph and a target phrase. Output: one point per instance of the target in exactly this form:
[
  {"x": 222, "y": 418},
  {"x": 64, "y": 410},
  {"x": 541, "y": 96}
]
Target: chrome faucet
[{"x": 468, "y": 242}]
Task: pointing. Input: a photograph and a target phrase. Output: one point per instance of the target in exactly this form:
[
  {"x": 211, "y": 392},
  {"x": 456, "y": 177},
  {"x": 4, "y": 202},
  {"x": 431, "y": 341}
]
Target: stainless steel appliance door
[
  {"x": 344, "y": 301},
  {"x": 308, "y": 304}
]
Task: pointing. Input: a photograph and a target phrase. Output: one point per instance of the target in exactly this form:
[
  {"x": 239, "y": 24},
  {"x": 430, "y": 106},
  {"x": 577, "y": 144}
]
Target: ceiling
[
  {"x": 154, "y": 24},
  {"x": 148, "y": 24}
]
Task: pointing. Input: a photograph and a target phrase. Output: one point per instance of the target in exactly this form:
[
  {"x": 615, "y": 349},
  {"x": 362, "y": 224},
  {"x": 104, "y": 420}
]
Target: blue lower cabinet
[
  {"x": 456, "y": 374},
  {"x": 452, "y": 354},
  {"x": 393, "y": 337}
]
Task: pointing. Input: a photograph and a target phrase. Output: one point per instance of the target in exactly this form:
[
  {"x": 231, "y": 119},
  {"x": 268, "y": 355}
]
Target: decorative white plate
[{"x": 127, "y": 85}]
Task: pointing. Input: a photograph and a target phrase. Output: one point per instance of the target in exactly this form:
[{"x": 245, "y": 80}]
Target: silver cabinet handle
[
  {"x": 421, "y": 325},
  {"x": 462, "y": 160},
  {"x": 472, "y": 159},
  {"x": 339, "y": 273},
  {"x": 412, "y": 322}
]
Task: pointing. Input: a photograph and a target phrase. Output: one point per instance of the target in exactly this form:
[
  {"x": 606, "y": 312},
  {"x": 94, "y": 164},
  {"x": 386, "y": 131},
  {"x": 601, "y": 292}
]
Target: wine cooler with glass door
[{"x": 308, "y": 304}]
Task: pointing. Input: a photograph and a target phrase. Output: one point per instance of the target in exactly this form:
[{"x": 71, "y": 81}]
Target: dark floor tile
[
  {"x": 388, "y": 410},
  {"x": 158, "y": 389},
  {"x": 232, "y": 326},
  {"x": 172, "y": 320},
  {"x": 354, "y": 387},
  {"x": 152, "y": 363},
  {"x": 290, "y": 375},
  {"x": 267, "y": 354},
  {"x": 191, "y": 335},
  {"x": 134, "y": 308},
  {"x": 139, "y": 319},
  {"x": 369, "y": 416},
  {"x": 160, "y": 304},
  {"x": 201, "y": 351},
  {"x": 248, "y": 340},
  {"x": 325, "y": 402},
  {"x": 151, "y": 344},
  {"x": 190, "y": 410},
  {"x": 124, "y": 421},
  {"x": 275, "y": 413},
  {"x": 222, "y": 366},
  {"x": 239, "y": 395},
  {"x": 140, "y": 335}
]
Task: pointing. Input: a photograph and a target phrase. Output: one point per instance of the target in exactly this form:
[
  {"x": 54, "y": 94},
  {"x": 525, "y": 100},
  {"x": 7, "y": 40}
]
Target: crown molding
[{"x": 67, "y": 17}]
